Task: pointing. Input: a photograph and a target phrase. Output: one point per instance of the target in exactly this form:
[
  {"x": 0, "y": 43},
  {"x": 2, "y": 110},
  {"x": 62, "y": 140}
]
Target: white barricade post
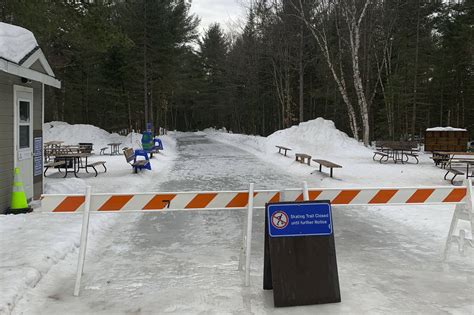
[
  {"x": 461, "y": 212},
  {"x": 248, "y": 247},
  {"x": 83, "y": 245},
  {"x": 305, "y": 191},
  {"x": 252, "y": 199}
]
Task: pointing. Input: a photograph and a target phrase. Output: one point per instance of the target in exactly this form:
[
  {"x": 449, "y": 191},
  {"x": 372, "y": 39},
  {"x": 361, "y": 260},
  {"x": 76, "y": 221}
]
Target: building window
[{"x": 24, "y": 124}]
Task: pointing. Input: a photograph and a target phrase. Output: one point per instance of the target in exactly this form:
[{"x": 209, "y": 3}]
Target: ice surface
[{"x": 15, "y": 42}]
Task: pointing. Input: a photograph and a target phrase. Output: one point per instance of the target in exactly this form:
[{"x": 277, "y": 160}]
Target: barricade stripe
[
  {"x": 115, "y": 203},
  {"x": 328, "y": 194},
  {"x": 420, "y": 196},
  {"x": 383, "y": 196},
  {"x": 159, "y": 202},
  {"x": 239, "y": 201},
  {"x": 345, "y": 196},
  {"x": 456, "y": 195},
  {"x": 201, "y": 201},
  {"x": 70, "y": 204},
  {"x": 313, "y": 194},
  {"x": 275, "y": 198}
]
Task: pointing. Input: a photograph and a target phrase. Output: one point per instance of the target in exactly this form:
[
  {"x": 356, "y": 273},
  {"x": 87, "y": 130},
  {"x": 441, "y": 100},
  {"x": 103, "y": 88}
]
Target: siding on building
[{"x": 6, "y": 133}]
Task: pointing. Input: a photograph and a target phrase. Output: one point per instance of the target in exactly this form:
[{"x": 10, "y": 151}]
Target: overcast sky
[{"x": 227, "y": 13}]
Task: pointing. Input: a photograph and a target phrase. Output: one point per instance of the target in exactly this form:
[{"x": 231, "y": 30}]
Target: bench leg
[
  {"x": 47, "y": 167},
  {"x": 446, "y": 175},
  {"x": 452, "y": 180},
  {"x": 105, "y": 168},
  {"x": 320, "y": 167},
  {"x": 330, "y": 172},
  {"x": 96, "y": 173}
]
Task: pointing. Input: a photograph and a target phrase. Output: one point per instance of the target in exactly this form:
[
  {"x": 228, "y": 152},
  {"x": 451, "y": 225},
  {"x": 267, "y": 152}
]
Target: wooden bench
[
  {"x": 131, "y": 159},
  {"x": 102, "y": 151},
  {"x": 282, "y": 148},
  {"x": 382, "y": 156},
  {"x": 301, "y": 157},
  {"x": 93, "y": 165},
  {"x": 327, "y": 164},
  {"x": 55, "y": 164}
]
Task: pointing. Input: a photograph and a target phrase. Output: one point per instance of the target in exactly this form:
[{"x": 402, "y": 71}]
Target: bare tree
[{"x": 318, "y": 22}]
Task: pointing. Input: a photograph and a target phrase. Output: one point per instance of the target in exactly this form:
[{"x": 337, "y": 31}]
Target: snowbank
[
  {"x": 119, "y": 177},
  {"x": 74, "y": 134},
  {"x": 15, "y": 42},
  {"x": 322, "y": 140},
  {"x": 315, "y": 136}
]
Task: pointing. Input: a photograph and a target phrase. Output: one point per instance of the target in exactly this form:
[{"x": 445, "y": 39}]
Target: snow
[
  {"x": 186, "y": 262},
  {"x": 320, "y": 139},
  {"x": 15, "y": 42},
  {"x": 119, "y": 177},
  {"x": 32, "y": 244},
  {"x": 38, "y": 241},
  {"x": 445, "y": 129}
]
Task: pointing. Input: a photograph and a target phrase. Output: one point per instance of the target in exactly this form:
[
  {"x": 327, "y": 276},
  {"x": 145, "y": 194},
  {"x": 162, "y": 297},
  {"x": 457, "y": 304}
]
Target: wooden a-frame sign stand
[{"x": 301, "y": 270}]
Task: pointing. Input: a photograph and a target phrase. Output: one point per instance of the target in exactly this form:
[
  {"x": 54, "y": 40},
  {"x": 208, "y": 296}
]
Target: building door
[{"x": 23, "y": 135}]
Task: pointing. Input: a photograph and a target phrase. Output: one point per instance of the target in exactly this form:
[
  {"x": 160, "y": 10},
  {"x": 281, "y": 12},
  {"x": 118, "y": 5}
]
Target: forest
[{"x": 380, "y": 69}]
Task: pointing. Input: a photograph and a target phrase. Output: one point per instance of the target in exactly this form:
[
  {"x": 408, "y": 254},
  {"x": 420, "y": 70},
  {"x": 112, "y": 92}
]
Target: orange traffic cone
[{"x": 18, "y": 203}]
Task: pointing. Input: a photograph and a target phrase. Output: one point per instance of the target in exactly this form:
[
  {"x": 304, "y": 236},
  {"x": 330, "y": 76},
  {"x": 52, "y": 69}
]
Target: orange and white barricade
[{"x": 461, "y": 196}]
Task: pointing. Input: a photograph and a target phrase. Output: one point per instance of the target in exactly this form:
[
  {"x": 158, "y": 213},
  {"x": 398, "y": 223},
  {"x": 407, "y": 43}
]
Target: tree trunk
[
  {"x": 415, "y": 80},
  {"x": 301, "y": 75},
  {"x": 145, "y": 76}
]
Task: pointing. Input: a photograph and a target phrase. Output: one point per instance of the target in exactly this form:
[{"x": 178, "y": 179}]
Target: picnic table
[
  {"x": 449, "y": 156},
  {"x": 398, "y": 151},
  {"x": 75, "y": 161},
  {"x": 455, "y": 163},
  {"x": 114, "y": 148}
]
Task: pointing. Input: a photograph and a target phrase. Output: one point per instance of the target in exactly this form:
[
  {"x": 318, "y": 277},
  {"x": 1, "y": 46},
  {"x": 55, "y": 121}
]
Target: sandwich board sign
[{"x": 300, "y": 254}]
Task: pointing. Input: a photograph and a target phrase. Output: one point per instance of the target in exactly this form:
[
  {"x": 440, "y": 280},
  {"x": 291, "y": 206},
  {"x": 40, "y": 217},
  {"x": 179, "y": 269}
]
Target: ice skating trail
[{"x": 186, "y": 262}]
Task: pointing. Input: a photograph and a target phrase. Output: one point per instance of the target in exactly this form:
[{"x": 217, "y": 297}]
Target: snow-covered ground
[
  {"x": 389, "y": 258},
  {"x": 119, "y": 177},
  {"x": 32, "y": 243}
]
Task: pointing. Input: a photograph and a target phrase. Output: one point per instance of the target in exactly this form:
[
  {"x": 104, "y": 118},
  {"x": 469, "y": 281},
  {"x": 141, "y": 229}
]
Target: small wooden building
[
  {"x": 24, "y": 72},
  {"x": 446, "y": 139}
]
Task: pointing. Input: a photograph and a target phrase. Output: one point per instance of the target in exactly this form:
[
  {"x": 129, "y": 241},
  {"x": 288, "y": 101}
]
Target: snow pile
[
  {"x": 445, "y": 129},
  {"x": 318, "y": 137},
  {"x": 74, "y": 134},
  {"x": 322, "y": 140},
  {"x": 15, "y": 42},
  {"x": 119, "y": 177}
]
